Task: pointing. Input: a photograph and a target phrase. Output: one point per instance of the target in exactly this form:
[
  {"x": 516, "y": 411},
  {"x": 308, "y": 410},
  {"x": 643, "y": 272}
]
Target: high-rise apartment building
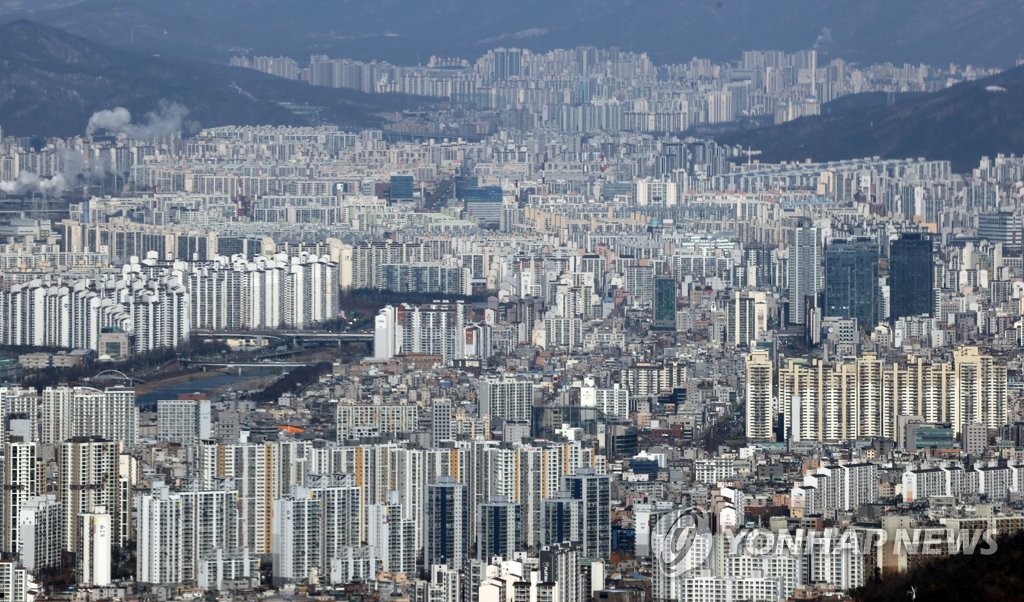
[
  {"x": 16, "y": 584},
  {"x": 499, "y": 530},
  {"x": 313, "y": 528},
  {"x": 561, "y": 519},
  {"x": 393, "y": 536},
  {"x": 505, "y": 398},
  {"x": 385, "y": 329},
  {"x": 181, "y": 532},
  {"x": 357, "y": 420},
  {"x": 160, "y": 537},
  {"x": 184, "y": 421},
  {"x": 981, "y": 390},
  {"x": 40, "y": 531},
  {"x": 447, "y": 524},
  {"x": 257, "y": 470},
  {"x": 560, "y": 565},
  {"x": 22, "y": 404},
  {"x": 1001, "y": 227},
  {"x": 805, "y": 273},
  {"x": 210, "y": 522},
  {"x": 296, "y": 538},
  {"x": 508, "y": 63},
  {"x": 295, "y": 291},
  {"x": 594, "y": 492},
  {"x": 429, "y": 329},
  {"x": 20, "y": 483},
  {"x": 93, "y": 555},
  {"x": 92, "y": 476},
  {"x": 441, "y": 416},
  {"x": 748, "y": 318},
  {"x": 72, "y": 314},
  {"x": 613, "y": 403},
  {"x": 862, "y": 397},
  {"x": 362, "y": 265},
  {"x": 69, "y": 412},
  {"x": 758, "y": 398}
]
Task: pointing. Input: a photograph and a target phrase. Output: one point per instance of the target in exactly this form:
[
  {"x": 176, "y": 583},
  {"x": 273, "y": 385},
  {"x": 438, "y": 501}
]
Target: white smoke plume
[
  {"x": 169, "y": 118},
  {"x": 71, "y": 163},
  {"x": 824, "y": 39},
  {"x": 30, "y": 183},
  {"x": 113, "y": 120}
]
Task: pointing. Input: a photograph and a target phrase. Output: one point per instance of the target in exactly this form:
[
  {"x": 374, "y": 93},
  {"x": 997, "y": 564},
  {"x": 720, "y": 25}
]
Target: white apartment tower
[
  {"x": 436, "y": 328},
  {"x": 21, "y": 402},
  {"x": 505, "y": 398},
  {"x": 39, "y": 529},
  {"x": 159, "y": 549},
  {"x": 184, "y": 421},
  {"x": 255, "y": 468},
  {"x": 392, "y": 536},
  {"x": 384, "y": 334},
  {"x": 93, "y": 555},
  {"x": 748, "y": 318},
  {"x": 179, "y": 531},
  {"x": 613, "y": 402},
  {"x": 20, "y": 483},
  {"x": 16, "y": 583},
  {"x": 313, "y": 527},
  {"x": 91, "y": 476},
  {"x": 85, "y": 412}
]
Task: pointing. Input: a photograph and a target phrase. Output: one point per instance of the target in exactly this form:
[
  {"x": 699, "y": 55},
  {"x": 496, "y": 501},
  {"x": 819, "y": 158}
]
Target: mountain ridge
[
  {"x": 961, "y": 124},
  {"x": 51, "y": 82}
]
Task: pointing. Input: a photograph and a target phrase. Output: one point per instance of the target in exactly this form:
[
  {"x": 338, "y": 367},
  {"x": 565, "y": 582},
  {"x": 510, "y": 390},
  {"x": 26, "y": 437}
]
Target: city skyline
[{"x": 516, "y": 320}]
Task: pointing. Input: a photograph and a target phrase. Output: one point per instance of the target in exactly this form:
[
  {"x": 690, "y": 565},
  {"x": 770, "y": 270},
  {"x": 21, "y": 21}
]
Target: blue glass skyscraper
[{"x": 851, "y": 281}]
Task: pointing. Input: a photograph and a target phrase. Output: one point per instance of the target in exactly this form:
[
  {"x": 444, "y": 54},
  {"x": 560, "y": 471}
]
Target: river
[{"x": 211, "y": 383}]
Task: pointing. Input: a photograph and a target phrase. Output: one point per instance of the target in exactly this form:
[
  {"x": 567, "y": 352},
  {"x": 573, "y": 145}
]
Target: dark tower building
[
  {"x": 665, "y": 303},
  {"x": 402, "y": 189},
  {"x": 911, "y": 276}
]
